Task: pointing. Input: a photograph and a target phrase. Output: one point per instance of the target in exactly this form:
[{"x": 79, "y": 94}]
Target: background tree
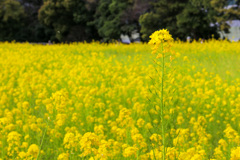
[
  {"x": 149, "y": 23},
  {"x": 82, "y": 13},
  {"x": 107, "y": 18},
  {"x": 11, "y": 16},
  {"x": 114, "y": 17},
  {"x": 162, "y": 15},
  {"x": 196, "y": 20},
  {"x": 68, "y": 18},
  {"x": 225, "y": 13},
  {"x": 85, "y": 20},
  {"x": 130, "y": 17},
  {"x": 33, "y": 30},
  {"x": 182, "y": 18}
]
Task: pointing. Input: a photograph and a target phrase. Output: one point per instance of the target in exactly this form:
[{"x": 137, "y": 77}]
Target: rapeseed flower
[
  {"x": 161, "y": 40},
  {"x": 235, "y": 153},
  {"x": 130, "y": 151},
  {"x": 33, "y": 150},
  {"x": 93, "y": 101},
  {"x": 63, "y": 156}
]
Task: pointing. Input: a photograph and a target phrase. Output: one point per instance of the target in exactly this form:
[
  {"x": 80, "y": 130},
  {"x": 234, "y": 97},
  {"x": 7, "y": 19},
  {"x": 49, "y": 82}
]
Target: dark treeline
[{"x": 105, "y": 20}]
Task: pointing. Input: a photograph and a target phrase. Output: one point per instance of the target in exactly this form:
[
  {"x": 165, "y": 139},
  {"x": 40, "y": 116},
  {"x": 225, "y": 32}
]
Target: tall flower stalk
[{"x": 162, "y": 42}]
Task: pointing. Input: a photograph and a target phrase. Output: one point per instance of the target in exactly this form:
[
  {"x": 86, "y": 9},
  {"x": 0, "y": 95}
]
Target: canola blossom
[
  {"x": 162, "y": 41},
  {"x": 93, "y": 101}
]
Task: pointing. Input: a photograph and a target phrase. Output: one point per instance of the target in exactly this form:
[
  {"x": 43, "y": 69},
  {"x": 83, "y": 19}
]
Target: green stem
[
  {"x": 162, "y": 105},
  {"x": 42, "y": 141}
]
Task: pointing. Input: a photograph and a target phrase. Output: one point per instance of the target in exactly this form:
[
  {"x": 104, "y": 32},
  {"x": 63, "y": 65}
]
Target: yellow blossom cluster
[
  {"x": 162, "y": 42},
  {"x": 99, "y": 101}
]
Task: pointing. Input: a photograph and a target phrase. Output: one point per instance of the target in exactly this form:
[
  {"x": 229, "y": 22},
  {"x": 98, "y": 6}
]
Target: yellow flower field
[{"x": 101, "y": 101}]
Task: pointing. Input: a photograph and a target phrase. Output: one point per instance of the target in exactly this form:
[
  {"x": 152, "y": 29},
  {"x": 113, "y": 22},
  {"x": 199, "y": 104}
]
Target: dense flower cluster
[
  {"x": 162, "y": 42},
  {"x": 92, "y": 101}
]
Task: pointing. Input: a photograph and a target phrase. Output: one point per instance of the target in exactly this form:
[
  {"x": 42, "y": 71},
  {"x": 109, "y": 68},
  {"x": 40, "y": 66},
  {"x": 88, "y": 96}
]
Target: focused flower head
[{"x": 161, "y": 38}]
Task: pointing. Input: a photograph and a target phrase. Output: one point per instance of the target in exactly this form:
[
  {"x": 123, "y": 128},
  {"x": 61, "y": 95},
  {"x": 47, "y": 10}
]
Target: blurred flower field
[{"x": 98, "y": 101}]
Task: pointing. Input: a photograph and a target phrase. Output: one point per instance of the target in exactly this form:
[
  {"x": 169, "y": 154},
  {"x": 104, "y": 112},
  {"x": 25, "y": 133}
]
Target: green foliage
[
  {"x": 181, "y": 18},
  {"x": 33, "y": 30},
  {"x": 194, "y": 21},
  {"x": 149, "y": 23},
  {"x": 114, "y": 17},
  {"x": 163, "y": 15},
  {"x": 225, "y": 14},
  {"x": 106, "y": 20},
  {"x": 68, "y": 18},
  {"x": 11, "y": 14},
  {"x": 11, "y": 10},
  {"x": 19, "y": 21},
  {"x": 54, "y": 14}
]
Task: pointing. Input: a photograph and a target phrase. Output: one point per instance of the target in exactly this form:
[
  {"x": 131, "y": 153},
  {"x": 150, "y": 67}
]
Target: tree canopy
[
  {"x": 106, "y": 20},
  {"x": 11, "y": 16}
]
